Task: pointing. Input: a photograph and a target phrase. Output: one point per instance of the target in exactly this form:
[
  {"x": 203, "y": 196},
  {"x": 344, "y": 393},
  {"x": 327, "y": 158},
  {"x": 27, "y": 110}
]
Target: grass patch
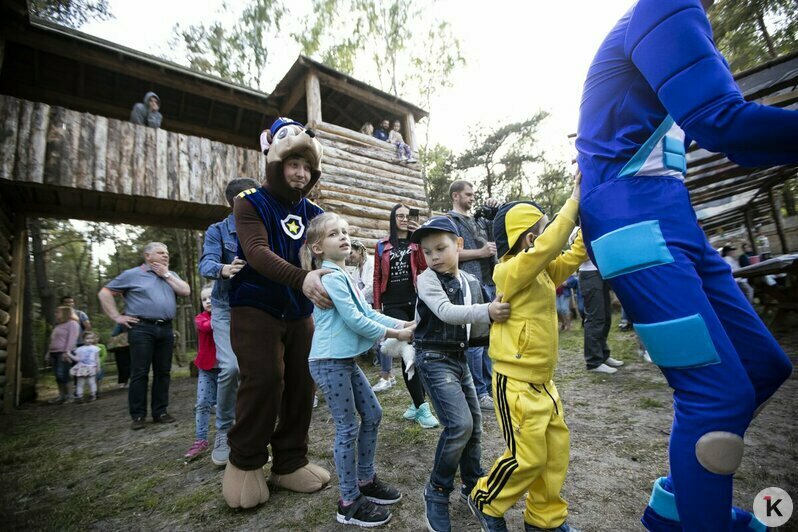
[{"x": 647, "y": 402}]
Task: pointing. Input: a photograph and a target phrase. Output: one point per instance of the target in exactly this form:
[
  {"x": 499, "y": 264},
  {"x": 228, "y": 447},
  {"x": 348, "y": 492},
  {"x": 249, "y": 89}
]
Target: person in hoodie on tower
[
  {"x": 147, "y": 112},
  {"x": 656, "y": 82},
  {"x": 271, "y": 324}
]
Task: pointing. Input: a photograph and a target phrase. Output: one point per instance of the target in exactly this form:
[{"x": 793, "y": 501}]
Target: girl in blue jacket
[{"x": 342, "y": 333}]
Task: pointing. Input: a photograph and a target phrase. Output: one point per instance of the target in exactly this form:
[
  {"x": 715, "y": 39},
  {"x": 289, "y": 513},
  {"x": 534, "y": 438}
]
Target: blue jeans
[
  {"x": 348, "y": 392},
  {"x": 481, "y": 369},
  {"x": 451, "y": 389},
  {"x": 228, "y": 369},
  {"x": 60, "y": 368},
  {"x": 207, "y": 388}
]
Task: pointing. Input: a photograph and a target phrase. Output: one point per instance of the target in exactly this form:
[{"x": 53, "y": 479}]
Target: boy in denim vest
[{"x": 452, "y": 316}]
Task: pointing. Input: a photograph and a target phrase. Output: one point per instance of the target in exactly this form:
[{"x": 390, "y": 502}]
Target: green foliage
[
  {"x": 439, "y": 163},
  {"x": 237, "y": 53},
  {"x": 502, "y": 157},
  {"x": 749, "y": 32},
  {"x": 553, "y": 186},
  {"x": 72, "y": 13}
]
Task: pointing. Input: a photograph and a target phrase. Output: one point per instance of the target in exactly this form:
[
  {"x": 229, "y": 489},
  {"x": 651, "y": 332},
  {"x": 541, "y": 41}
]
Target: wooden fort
[{"x": 67, "y": 149}]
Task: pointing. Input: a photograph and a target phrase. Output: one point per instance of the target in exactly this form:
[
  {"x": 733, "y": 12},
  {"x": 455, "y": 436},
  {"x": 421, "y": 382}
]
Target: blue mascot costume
[{"x": 656, "y": 82}]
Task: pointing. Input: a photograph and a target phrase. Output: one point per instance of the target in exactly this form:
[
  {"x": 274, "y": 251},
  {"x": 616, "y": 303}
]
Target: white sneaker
[
  {"x": 486, "y": 403},
  {"x": 604, "y": 368},
  {"x": 383, "y": 384},
  {"x": 613, "y": 363},
  {"x": 644, "y": 354}
]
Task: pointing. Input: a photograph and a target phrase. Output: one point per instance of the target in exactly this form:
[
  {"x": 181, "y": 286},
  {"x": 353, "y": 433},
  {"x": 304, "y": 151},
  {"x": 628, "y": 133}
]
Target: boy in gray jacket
[{"x": 452, "y": 316}]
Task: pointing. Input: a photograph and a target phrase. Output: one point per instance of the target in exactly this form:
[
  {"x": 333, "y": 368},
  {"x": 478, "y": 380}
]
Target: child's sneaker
[
  {"x": 425, "y": 418},
  {"x": 488, "y": 523},
  {"x": 380, "y": 493},
  {"x": 436, "y": 510},
  {"x": 196, "y": 449},
  {"x": 411, "y": 413},
  {"x": 363, "y": 513},
  {"x": 221, "y": 449},
  {"x": 92, "y": 398}
]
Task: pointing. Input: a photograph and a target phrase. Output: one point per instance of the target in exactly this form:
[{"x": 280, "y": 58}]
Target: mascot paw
[
  {"x": 307, "y": 479},
  {"x": 244, "y": 489}
]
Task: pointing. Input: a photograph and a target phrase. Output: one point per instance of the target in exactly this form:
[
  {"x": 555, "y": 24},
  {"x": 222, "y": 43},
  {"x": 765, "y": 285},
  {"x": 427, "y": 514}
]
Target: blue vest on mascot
[{"x": 286, "y": 227}]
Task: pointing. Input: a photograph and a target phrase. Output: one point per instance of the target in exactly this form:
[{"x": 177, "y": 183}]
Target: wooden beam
[
  {"x": 117, "y": 62},
  {"x": 362, "y": 94},
  {"x": 777, "y": 220},
  {"x": 313, "y": 98},
  {"x": 293, "y": 98},
  {"x": 19, "y": 255},
  {"x": 410, "y": 132},
  {"x": 749, "y": 224}
]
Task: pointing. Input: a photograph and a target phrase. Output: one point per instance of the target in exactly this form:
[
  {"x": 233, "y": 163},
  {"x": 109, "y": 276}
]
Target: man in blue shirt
[
  {"x": 220, "y": 263},
  {"x": 657, "y": 81},
  {"x": 382, "y": 131},
  {"x": 150, "y": 292}
]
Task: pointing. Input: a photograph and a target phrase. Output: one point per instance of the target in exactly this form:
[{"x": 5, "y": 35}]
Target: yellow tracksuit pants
[{"x": 536, "y": 459}]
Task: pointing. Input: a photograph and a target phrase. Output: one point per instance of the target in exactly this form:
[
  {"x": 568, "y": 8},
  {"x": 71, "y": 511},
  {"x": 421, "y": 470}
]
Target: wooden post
[
  {"x": 777, "y": 219},
  {"x": 748, "y": 227},
  {"x": 18, "y": 256},
  {"x": 313, "y": 98},
  {"x": 410, "y": 131}
]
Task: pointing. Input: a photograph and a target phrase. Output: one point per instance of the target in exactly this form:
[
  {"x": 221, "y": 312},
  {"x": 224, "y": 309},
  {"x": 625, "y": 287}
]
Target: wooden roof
[
  {"x": 345, "y": 101},
  {"x": 721, "y": 191},
  {"x": 52, "y": 64},
  {"x": 61, "y": 66}
]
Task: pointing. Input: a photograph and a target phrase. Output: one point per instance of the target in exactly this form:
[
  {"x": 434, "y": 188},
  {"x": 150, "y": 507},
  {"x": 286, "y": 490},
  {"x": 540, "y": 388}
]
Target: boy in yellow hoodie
[{"x": 524, "y": 353}]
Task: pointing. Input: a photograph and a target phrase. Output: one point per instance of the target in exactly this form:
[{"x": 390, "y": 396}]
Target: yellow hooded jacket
[{"x": 525, "y": 346}]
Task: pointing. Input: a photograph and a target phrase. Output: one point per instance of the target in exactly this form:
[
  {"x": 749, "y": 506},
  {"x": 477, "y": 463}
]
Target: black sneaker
[
  {"x": 363, "y": 513},
  {"x": 138, "y": 423},
  {"x": 380, "y": 493},
  {"x": 164, "y": 418}
]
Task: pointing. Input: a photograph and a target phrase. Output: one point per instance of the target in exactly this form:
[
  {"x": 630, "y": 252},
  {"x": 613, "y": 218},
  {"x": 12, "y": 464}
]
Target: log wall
[{"x": 66, "y": 150}]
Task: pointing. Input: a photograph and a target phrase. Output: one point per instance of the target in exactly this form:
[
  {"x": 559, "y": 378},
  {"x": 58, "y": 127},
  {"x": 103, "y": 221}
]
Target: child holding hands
[
  {"x": 453, "y": 315},
  {"x": 524, "y": 352},
  {"x": 341, "y": 334}
]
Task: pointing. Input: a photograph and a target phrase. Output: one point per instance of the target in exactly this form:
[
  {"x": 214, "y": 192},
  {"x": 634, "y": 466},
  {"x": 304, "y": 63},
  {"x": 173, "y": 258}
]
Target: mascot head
[{"x": 287, "y": 141}]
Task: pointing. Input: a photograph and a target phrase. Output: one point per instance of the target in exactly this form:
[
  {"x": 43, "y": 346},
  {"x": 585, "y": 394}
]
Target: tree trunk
[
  {"x": 30, "y": 356},
  {"x": 760, "y": 22},
  {"x": 40, "y": 269}
]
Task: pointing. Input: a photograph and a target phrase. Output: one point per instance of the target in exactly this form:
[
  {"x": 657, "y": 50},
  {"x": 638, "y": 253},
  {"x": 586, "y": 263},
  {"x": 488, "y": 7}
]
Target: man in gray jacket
[{"x": 146, "y": 112}]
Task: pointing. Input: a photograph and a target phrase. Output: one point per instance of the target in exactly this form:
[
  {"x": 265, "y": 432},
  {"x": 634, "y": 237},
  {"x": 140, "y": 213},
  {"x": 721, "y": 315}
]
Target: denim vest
[{"x": 432, "y": 334}]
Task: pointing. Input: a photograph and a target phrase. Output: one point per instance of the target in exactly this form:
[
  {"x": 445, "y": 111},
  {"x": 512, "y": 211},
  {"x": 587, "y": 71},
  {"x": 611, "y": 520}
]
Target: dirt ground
[{"x": 81, "y": 467}]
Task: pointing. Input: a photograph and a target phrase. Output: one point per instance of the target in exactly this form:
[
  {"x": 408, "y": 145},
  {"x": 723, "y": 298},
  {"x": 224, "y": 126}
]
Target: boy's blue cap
[{"x": 434, "y": 224}]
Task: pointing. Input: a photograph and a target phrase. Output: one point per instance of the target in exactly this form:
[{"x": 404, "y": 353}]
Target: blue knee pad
[
  {"x": 680, "y": 343},
  {"x": 631, "y": 248}
]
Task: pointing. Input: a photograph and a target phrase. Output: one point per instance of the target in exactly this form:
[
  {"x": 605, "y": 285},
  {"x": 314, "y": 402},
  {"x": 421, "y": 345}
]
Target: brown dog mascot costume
[{"x": 271, "y": 324}]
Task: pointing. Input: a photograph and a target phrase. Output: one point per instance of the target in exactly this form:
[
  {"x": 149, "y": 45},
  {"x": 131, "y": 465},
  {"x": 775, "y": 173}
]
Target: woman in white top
[{"x": 360, "y": 266}]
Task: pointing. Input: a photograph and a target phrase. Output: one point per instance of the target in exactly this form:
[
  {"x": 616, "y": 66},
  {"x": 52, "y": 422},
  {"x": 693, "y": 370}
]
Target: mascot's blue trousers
[{"x": 714, "y": 350}]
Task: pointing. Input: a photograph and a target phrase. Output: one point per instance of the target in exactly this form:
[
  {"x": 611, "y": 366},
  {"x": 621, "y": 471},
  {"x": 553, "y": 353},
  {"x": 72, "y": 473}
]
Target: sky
[{"x": 521, "y": 56}]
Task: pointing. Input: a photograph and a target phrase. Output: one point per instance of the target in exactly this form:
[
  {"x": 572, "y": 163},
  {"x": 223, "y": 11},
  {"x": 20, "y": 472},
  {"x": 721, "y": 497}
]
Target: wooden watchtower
[{"x": 68, "y": 150}]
